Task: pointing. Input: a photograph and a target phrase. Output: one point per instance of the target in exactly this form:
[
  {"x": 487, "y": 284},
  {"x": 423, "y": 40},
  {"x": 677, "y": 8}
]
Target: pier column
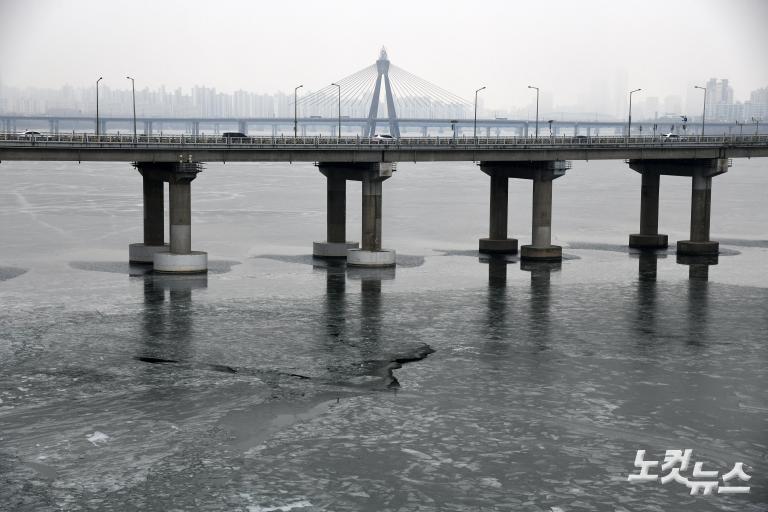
[
  {"x": 336, "y": 244},
  {"x": 541, "y": 247},
  {"x": 242, "y": 127},
  {"x": 497, "y": 241},
  {"x": 154, "y": 227},
  {"x": 701, "y": 206},
  {"x": 649, "y": 237}
]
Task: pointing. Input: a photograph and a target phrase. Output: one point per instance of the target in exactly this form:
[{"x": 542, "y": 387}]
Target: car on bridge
[
  {"x": 31, "y": 133},
  {"x": 382, "y": 138},
  {"x": 234, "y": 135},
  {"x": 671, "y": 136}
]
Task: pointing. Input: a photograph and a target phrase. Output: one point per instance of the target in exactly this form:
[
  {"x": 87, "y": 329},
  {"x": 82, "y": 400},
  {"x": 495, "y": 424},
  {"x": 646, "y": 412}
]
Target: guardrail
[{"x": 205, "y": 141}]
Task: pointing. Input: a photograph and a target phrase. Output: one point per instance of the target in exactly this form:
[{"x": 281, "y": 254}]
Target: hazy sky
[{"x": 562, "y": 46}]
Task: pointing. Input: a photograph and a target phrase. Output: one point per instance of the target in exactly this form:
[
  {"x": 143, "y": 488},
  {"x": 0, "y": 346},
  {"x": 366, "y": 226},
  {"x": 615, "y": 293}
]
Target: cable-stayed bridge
[{"x": 383, "y": 91}]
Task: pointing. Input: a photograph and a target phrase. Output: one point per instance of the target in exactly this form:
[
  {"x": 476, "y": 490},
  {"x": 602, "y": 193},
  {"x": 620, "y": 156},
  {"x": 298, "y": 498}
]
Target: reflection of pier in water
[
  {"x": 167, "y": 324},
  {"x": 338, "y": 333},
  {"x": 698, "y": 295},
  {"x": 540, "y": 298}
]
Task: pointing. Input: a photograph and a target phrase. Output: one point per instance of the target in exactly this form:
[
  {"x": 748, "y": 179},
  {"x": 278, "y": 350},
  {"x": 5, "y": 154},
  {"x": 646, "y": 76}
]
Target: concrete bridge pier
[
  {"x": 701, "y": 171},
  {"x": 541, "y": 247},
  {"x": 154, "y": 228},
  {"x": 701, "y": 206},
  {"x": 177, "y": 257},
  {"x": 649, "y": 237},
  {"x": 371, "y": 254},
  {"x": 181, "y": 258},
  {"x": 542, "y": 173},
  {"x": 242, "y": 127},
  {"x": 497, "y": 241},
  {"x": 336, "y": 243}
]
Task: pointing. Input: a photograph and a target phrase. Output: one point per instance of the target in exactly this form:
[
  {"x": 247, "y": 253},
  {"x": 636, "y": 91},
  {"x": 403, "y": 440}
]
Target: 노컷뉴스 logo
[{"x": 700, "y": 480}]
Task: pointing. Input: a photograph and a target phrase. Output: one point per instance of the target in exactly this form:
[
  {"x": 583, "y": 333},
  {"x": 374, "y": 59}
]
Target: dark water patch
[
  {"x": 402, "y": 260},
  {"x": 473, "y": 253},
  {"x": 7, "y": 273},
  {"x": 375, "y": 373},
  {"x": 592, "y": 246},
  {"x": 739, "y": 242},
  {"x": 135, "y": 270},
  {"x": 155, "y": 360}
]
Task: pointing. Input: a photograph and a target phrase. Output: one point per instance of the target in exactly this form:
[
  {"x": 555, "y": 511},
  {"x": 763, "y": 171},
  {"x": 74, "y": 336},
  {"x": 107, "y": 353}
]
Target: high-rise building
[{"x": 719, "y": 100}]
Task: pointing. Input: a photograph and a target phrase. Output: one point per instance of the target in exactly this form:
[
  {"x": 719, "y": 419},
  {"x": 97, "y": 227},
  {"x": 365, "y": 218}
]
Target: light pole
[
  {"x": 550, "y": 126},
  {"x": 629, "y": 126},
  {"x": 337, "y": 85},
  {"x": 756, "y": 120},
  {"x": 97, "y": 105},
  {"x": 133, "y": 92},
  {"x": 474, "y": 132},
  {"x": 704, "y": 109},
  {"x": 296, "y": 111},
  {"x": 537, "y": 109}
]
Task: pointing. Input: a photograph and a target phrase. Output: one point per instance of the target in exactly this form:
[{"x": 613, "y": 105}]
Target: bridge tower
[{"x": 382, "y": 66}]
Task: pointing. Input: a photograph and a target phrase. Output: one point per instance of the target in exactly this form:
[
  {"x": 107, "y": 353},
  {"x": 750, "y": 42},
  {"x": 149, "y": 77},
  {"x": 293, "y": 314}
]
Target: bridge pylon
[{"x": 382, "y": 67}]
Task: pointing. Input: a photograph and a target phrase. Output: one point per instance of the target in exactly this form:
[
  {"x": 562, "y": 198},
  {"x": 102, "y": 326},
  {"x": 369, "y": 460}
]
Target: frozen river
[{"x": 451, "y": 383}]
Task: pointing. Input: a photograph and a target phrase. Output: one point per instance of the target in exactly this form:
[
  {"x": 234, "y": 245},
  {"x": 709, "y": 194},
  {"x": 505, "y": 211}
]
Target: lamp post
[
  {"x": 337, "y": 85},
  {"x": 537, "y": 109},
  {"x": 704, "y": 109},
  {"x": 474, "y": 131},
  {"x": 133, "y": 92},
  {"x": 296, "y": 111},
  {"x": 757, "y": 125},
  {"x": 550, "y": 126},
  {"x": 97, "y": 105},
  {"x": 629, "y": 125}
]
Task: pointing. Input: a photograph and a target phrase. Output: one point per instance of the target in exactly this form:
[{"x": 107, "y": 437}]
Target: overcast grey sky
[{"x": 562, "y": 46}]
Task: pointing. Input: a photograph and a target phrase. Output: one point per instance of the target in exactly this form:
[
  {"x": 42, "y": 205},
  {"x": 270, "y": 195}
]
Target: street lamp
[
  {"x": 704, "y": 109},
  {"x": 475, "y": 125},
  {"x": 337, "y": 85},
  {"x": 550, "y": 126},
  {"x": 133, "y": 91},
  {"x": 97, "y": 105},
  {"x": 756, "y": 120},
  {"x": 629, "y": 126},
  {"x": 296, "y": 111},
  {"x": 537, "y": 109}
]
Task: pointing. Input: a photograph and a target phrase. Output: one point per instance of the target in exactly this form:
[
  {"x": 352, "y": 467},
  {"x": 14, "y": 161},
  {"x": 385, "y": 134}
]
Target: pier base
[
  {"x": 691, "y": 248},
  {"x": 549, "y": 253},
  {"x": 648, "y": 241},
  {"x": 493, "y": 246},
  {"x": 194, "y": 262},
  {"x": 378, "y": 258},
  {"x": 142, "y": 253},
  {"x": 332, "y": 249}
]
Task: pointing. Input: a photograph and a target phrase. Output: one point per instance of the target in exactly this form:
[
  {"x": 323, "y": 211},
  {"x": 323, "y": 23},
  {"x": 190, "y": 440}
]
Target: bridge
[
  {"x": 328, "y": 126},
  {"x": 177, "y": 159}
]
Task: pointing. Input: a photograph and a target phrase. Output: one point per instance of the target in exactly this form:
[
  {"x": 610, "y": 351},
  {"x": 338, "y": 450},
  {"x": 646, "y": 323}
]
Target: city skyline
[
  {"x": 503, "y": 47},
  {"x": 206, "y": 101}
]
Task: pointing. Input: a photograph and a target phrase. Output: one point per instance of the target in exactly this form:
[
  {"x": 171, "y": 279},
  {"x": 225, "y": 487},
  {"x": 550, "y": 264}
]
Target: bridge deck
[{"x": 86, "y": 147}]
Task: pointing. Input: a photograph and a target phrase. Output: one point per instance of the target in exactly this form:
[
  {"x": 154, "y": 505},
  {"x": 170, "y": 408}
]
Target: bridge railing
[{"x": 356, "y": 142}]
